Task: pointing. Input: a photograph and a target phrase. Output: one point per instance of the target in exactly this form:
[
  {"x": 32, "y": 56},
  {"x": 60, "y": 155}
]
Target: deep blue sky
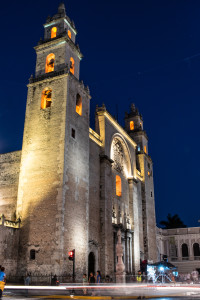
[{"x": 146, "y": 52}]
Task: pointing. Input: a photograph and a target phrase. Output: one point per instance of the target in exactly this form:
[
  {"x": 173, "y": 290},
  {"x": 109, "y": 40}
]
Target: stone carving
[
  {"x": 118, "y": 156},
  {"x": 120, "y": 267}
]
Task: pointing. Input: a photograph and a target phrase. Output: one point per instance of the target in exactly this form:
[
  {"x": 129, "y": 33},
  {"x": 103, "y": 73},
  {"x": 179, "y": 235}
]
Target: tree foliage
[{"x": 172, "y": 222}]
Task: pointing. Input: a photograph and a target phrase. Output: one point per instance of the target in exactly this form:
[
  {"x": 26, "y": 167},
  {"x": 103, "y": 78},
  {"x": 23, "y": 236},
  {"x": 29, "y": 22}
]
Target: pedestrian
[
  {"x": 92, "y": 280},
  {"x": 27, "y": 279},
  {"x": 98, "y": 277},
  {"x": 54, "y": 280},
  {"x": 139, "y": 277},
  {"x": 195, "y": 276},
  {"x": 2, "y": 280},
  {"x": 85, "y": 282}
]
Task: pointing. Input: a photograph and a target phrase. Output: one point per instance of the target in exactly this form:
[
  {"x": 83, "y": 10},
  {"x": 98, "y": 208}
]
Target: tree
[{"x": 172, "y": 222}]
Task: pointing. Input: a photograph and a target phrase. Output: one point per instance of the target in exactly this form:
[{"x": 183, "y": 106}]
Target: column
[{"x": 190, "y": 248}]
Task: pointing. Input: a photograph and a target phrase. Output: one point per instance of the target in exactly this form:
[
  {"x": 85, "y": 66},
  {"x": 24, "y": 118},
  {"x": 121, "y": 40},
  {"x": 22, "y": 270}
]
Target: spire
[{"x": 61, "y": 9}]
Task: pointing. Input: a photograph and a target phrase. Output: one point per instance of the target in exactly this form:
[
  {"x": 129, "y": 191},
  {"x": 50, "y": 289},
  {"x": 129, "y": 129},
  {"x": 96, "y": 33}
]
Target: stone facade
[{"x": 73, "y": 187}]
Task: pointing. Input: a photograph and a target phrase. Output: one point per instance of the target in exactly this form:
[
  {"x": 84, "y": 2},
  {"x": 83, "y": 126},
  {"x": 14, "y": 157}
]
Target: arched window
[
  {"x": 72, "y": 65},
  {"x": 46, "y": 98},
  {"x": 79, "y": 104},
  {"x": 131, "y": 125},
  {"x": 53, "y": 32},
  {"x": 69, "y": 34},
  {"x": 50, "y": 61},
  {"x": 185, "y": 250},
  {"x": 32, "y": 254},
  {"x": 118, "y": 186},
  {"x": 196, "y": 249},
  {"x": 145, "y": 149}
]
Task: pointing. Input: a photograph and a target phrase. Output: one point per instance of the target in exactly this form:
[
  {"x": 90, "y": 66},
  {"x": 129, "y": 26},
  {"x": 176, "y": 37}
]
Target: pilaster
[{"x": 107, "y": 235}]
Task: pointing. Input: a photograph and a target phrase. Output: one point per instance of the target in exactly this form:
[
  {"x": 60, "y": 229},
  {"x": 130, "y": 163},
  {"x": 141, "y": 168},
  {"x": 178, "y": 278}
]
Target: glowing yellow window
[
  {"x": 50, "y": 61},
  {"x": 46, "y": 98},
  {"x": 69, "y": 34},
  {"x": 145, "y": 149},
  {"x": 72, "y": 65},
  {"x": 53, "y": 32},
  {"x": 131, "y": 125},
  {"x": 118, "y": 186},
  {"x": 79, "y": 104}
]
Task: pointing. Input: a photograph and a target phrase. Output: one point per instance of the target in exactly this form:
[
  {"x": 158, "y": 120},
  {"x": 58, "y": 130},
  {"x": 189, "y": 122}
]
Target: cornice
[
  {"x": 59, "y": 41},
  {"x": 116, "y": 125}
]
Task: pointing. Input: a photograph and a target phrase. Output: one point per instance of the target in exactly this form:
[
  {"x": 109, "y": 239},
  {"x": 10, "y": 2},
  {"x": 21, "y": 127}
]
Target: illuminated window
[
  {"x": 138, "y": 148},
  {"x": 149, "y": 173},
  {"x": 145, "y": 149},
  {"x": 79, "y": 104},
  {"x": 53, "y": 32},
  {"x": 69, "y": 34},
  {"x": 32, "y": 254},
  {"x": 72, "y": 65},
  {"x": 46, "y": 98},
  {"x": 50, "y": 61},
  {"x": 131, "y": 125},
  {"x": 118, "y": 186}
]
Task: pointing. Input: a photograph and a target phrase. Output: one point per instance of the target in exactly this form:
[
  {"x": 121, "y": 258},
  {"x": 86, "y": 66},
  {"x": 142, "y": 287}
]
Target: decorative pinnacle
[
  {"x": 61, "y": 8},
  {"x": 132, "y": 107}
]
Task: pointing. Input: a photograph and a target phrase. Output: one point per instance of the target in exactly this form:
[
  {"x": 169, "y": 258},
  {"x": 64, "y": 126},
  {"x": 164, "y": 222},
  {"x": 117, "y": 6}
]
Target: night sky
[{"x": 146, "y": 52}]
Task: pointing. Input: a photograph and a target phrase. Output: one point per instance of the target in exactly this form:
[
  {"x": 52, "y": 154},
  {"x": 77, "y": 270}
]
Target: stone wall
[
  {"x": 9, "y": 166},
  {"x": 94, "y": 203},
  {"x": 9, "y": 244}
]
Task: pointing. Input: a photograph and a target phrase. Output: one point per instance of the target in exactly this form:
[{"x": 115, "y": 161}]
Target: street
[{"x": 107, "y": 292}]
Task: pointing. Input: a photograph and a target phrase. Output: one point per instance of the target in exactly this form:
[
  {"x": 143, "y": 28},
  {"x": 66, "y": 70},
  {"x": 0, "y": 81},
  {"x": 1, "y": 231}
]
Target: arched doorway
[
  {"x": 196, "y": 250},
  {"x": 91, "y": 263},
  {"x": 185, "y": 253}
]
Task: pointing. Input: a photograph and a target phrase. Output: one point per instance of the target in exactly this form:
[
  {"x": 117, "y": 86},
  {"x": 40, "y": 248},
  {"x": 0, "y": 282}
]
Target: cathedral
[{"x": 72, "y": 187}]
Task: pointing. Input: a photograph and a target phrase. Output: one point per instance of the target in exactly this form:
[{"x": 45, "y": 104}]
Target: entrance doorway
[{"x": 91, "y": 263}]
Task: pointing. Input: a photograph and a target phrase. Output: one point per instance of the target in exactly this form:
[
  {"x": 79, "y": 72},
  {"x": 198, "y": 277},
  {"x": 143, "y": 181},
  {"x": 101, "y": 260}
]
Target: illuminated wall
[{"x": 9, "y": 179}]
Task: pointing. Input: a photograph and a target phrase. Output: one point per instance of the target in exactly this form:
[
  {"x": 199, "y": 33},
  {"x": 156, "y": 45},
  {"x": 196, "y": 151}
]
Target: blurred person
[
  {"x": 85, "y": 282},
  {"x": 139, "y": 277},
  {"x": 2, "y": 280},
  {"x": 27, "y": 279},
  {"x": 195, "y": 275},
  {"x": 188, "y": 276},
  {"x": 54, "y": 280},
  {"x": 92, "y": 281},
  {"x": 98, "y": 277},
  {"x": 92, "y": 278}
]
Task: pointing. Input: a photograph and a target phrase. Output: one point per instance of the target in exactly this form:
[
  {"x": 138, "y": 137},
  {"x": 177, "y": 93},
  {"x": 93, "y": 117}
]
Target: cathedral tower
[
  {"x": 54, "y": 174},
  {"x": 134, "y": 127}
]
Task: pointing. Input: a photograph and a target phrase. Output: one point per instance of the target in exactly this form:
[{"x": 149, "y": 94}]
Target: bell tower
[
  {"x": 54, "y": 173},
  {"x": 134, "y": 127}
]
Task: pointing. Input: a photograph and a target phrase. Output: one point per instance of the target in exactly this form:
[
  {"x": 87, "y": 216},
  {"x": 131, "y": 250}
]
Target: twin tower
[{"x": 77, "y": 187}]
